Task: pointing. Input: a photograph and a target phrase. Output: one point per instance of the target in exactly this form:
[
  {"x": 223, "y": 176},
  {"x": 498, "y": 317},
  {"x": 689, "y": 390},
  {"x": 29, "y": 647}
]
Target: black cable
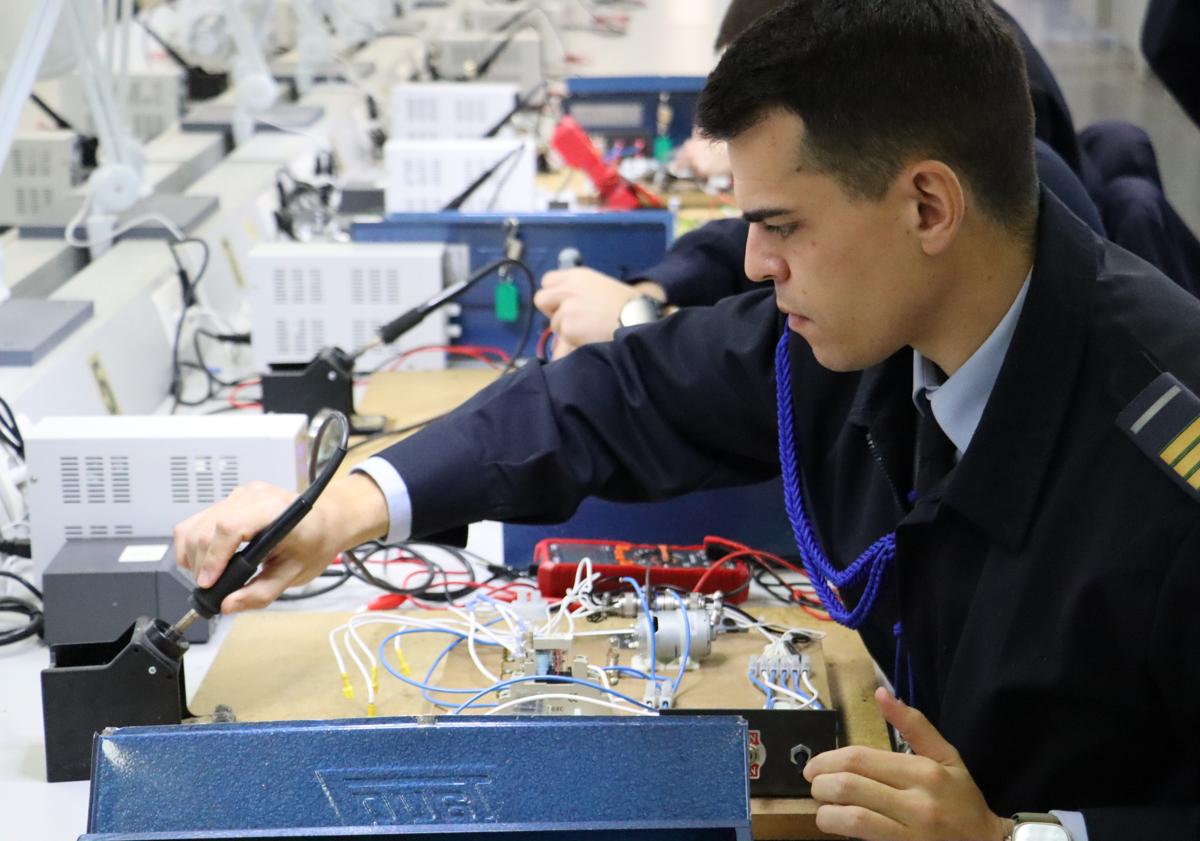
[
  {"x": 466, "y": 192},
  {"x": 34, "y": 626},
  {"x": 34, "y": 590},
  {"x": 359, "y": 567},
  {"x": 775, "y": 629},
  {"x": 341, "y": 577},
  {"x": 521, "y": 103},
  {"x": 60, "y": 122},
  {"x": 447, "y": 595},
  {"x": 188, "y": 286},
  {"x": 20, "y": 548},
  {"x": 793, "y": 597},
  {"x": 9, "y": 604},
  {"x": 201, "y": 365},
  {"x": 527, "y": 329},
  {"x": 484, "y": 65},
  {"x": 10, "y": 433},
  {"x": 389, "y": 433},
  {"x": 407, "y": 320}
]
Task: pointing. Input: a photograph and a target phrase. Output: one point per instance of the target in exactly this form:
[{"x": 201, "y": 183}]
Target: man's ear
[{"x": 936, "y": 204}]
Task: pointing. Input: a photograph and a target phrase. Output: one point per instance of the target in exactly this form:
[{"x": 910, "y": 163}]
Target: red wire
[
  {"x": 758, "y": 556},
  {"x": 543, "y": 341},
  {"x": 233, "y": 393},
  {"x": 493, "y": 356}
]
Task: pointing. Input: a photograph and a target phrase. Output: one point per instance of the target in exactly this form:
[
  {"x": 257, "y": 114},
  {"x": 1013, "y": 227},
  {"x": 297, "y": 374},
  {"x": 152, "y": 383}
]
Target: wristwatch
[
  {"x": 1035, "y": 826},
  {"x": 640, "y": 310}
]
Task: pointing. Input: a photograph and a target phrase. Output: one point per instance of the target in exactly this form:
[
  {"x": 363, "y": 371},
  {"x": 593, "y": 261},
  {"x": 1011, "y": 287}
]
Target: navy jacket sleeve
[
  {"x": 1171, "y": 643},
  {"x": 705, "y": 265},
  {"x": 662, "y": 410}
]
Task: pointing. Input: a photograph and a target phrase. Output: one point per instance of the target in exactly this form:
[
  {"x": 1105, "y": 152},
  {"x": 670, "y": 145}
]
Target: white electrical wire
[
  {"x": 743, "y": 622},
  {"x": 69, "y": 232},
  {"x": 563, "y": 696},
  {"x": 594, "y": 669},
  {"x": 806, "y": 679},
  {"x": 366, "y": 675},
  {"x": 322, "y": 144},
  {"x": 474, "y": 652},
  {"x": 788, "y": 693}
]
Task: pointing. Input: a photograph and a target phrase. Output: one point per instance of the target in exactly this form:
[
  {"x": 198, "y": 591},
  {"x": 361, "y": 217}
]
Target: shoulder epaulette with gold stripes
[{"x": 1164, "y": 421}]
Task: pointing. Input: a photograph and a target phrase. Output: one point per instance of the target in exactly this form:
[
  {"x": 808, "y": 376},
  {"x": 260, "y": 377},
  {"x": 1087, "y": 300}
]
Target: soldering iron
[{"x": 206, "y": 601}]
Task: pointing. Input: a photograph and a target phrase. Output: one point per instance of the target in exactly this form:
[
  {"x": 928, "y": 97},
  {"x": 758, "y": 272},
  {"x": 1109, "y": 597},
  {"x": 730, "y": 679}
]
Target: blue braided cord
[
  {"x": 903, "y": 657},
  {"x": 873, "y": 562}
]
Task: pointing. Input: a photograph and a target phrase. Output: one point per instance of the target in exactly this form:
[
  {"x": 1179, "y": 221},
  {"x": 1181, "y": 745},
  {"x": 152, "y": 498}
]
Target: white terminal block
[
  {"x": 454, "y": 54},
  {"x": 423, "y": 176},
  {"x": 308, "y": 296},
  {"x": 43, "y": 167},
  {"x": 140, "y": 475},
  {"x": 450, "y": 110}
]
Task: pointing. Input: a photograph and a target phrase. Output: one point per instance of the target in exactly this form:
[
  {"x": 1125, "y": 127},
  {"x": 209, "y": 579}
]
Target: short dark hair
[
  {"x": 880, "y": 83},
  {"x": 739, "y": 16}
]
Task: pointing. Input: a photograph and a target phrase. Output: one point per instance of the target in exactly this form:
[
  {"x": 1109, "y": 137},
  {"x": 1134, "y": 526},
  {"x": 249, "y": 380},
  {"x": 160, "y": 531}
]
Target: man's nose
[{"x": 762, "y": 262}]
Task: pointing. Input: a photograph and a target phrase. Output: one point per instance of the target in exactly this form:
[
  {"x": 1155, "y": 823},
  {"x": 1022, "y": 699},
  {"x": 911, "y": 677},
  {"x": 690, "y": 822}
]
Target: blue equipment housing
[
  {"x": 597, "y": 777},
  {"x": 626, "y": 107},
  {"x": 617, "y": 244}
]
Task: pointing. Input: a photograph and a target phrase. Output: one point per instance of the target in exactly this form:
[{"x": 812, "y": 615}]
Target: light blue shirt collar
[{"x": 959, "y": 401}]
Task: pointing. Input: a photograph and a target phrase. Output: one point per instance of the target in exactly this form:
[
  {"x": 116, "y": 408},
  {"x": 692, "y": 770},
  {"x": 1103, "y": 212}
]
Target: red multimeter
[{"x": 557, "y": 559}]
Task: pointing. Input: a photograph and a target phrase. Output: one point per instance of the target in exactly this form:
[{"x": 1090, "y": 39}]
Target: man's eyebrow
[{"x": 765, "y": 213}]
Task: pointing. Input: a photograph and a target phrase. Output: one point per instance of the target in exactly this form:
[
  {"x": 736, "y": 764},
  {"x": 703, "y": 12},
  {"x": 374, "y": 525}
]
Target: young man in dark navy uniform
[{"x": 986, "y": 418}]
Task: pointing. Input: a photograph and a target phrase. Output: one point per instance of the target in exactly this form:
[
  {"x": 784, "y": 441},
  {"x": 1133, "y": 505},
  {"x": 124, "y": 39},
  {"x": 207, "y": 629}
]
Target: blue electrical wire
[
  {"x": 484, "y": 597},
  {"x": 762, "y": 687},
  {"x": 637, "y": 673},
  {"x": 418, "y": 684},
  {"x": 429, "y": 674},
  {"x": 549, "y": 679},
  {"x": 641, "y": 594},
  {"x": 687, "y": 641}
]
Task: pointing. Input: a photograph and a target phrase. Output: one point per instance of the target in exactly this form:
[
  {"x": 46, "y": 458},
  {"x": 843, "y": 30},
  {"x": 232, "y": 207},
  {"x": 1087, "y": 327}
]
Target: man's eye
[{"x": 781, "y": 231}]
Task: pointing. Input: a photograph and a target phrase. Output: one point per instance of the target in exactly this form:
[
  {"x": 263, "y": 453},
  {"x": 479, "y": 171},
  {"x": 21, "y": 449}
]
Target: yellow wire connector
[
  {"x": 347, "y": 689},
  {"x": 371, "y": 710}
]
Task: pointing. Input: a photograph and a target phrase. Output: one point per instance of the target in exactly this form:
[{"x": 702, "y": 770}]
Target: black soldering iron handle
[{"x": 245, "y": 563}]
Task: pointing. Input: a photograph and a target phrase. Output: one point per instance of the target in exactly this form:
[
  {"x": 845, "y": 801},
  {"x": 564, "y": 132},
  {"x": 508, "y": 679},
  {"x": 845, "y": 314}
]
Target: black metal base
[
  {"x": 780, "y": 744},
  {"x": 136, "y": 679},
  {"x": 327, "y": 382}
]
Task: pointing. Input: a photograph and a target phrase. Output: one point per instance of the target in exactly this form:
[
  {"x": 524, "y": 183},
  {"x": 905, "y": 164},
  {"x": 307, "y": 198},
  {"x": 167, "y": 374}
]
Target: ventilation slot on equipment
[
  {"x": 94, "y": 481},
  {"x": 228, "y": 474},
  {"x": 118, "y": 467},
  {"x": 181, "y": 481},
  {"x": 68, "y": 471},
  {"x": 206, "y": 488}
]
